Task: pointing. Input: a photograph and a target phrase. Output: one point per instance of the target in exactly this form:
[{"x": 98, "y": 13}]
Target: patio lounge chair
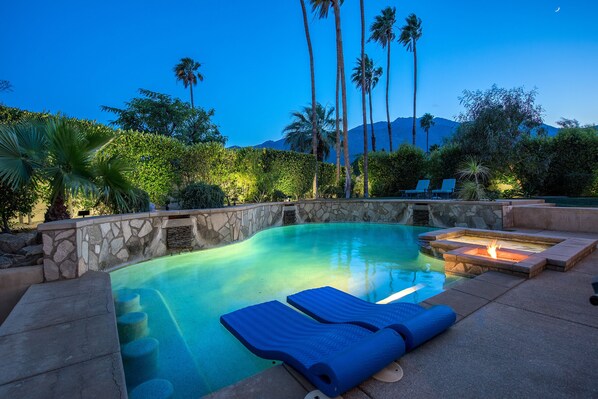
[
  {"x": 415, "y": 323},
  {"x": 448, "y": 188},
  {"x": 420, "y": 190},
  {"x": 335, "y": 358}
]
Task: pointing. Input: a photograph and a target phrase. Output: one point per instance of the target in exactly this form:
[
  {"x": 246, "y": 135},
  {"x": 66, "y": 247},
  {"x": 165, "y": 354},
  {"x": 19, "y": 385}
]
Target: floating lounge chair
[
  {"x": 415, "y": 323},
  {"x": 335, "y": 358},
  {"x": 447, "y": 188},
  {"x": 421, "y": 188}
]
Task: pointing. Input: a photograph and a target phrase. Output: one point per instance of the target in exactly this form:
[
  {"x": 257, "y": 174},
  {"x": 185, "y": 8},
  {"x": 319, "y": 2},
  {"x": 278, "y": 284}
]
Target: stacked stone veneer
[{"x": 75, "y": 246}]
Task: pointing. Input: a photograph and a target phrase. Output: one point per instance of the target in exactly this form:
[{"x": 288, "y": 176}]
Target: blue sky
[{"x": 73, "y": 56}]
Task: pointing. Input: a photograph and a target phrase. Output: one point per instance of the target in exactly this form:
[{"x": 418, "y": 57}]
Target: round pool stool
[
  {"x": 131, "y": 326},
  {"x": 126, "y": 302},
  {"x": 153, "y": 389},
  {"x": 140, "y": 360}
]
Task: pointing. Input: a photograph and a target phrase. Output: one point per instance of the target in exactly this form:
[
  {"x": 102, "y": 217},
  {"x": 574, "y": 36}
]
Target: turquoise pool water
[{"x": 184, "y": 295}]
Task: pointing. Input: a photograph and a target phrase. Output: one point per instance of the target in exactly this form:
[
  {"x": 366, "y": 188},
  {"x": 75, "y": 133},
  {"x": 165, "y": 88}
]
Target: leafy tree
[
  {"x": 410, "y": 34},
  {"x": 186, "y": 72},
  {"x": 161, "y": 114},
  {"x": 531, "y": 164},
  {"x": 494, "y": 121},
  {"x": 60, "y": 153},
  {"x": 312, "y": 74},
  {"x": 298, "y": 133},
  {"x": 372, "y": 76},
  {"x": 568, "y": 123},
  {"x": 382, "y": 31},
  {"x": 13, "y": 202},
  {"x": 426, "y": 122},
  {"x": 444, "y": 162}
]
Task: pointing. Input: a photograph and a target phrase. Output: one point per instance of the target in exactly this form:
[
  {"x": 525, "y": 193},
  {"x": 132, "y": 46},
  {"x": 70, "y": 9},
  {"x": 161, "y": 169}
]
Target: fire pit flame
[{"x": 492, "y": 248}]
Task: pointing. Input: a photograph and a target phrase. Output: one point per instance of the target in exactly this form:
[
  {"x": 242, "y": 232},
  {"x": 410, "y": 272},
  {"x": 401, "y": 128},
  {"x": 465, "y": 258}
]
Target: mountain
[{"x": 401, "y": 133}]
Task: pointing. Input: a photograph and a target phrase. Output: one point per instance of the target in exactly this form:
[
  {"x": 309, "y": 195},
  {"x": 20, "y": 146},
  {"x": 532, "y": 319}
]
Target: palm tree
[
  {"x": 59, "y": 153},
  {"x": 410, "y": 34},
  {"x": 321, "y": 7},
  {"x": 372, "y": 77},
  {"x": 186, "y": 71},
  {"x": 426, "y": 122},
  {"x": 383, "y": 32},
  {"x": 363, "y": 106},
  {"x": 314, "y": 144},
  {"x": 298, "y": 134}
]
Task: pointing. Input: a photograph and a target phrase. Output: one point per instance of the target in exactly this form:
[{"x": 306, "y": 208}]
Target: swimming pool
[{"x": 184, "y": 295}]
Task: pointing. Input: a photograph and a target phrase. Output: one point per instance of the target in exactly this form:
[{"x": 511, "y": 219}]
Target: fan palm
[
  {"x": 372, "y": 77},
  {"x": 314, "y": 135},
  {"x": 410, "y": 34},
  {"x": 382, "y": 31},
  {"x": 298, "y": 134},
  {"x": 363, "y": 107},
  {"x": 57, "y": 152},
  {"x": 322, "y": 7},
  {"x": 426, "y": 122},
  {"x": 186, "y": 71}
]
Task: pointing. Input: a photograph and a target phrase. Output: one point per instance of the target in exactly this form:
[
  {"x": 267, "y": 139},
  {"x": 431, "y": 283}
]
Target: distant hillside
[{"x": 401, "y": 133}]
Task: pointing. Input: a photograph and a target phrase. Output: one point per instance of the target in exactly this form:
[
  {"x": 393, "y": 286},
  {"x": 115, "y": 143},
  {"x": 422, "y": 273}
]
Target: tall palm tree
[
  {"x": 57, "y": 152},
  {"x": 383, "y": 32},
  {"x": 410, "y": 34},
  {"x": 322, "y": 7},
  {"x": 314, "y": 144},
  {"x": 298, "y": 134},
  {"x": 426, "y": 122},
  {"x": 372, "y": 77},
  {"x": 363, "y": 106},
  {"x": 186, "y": 71}
]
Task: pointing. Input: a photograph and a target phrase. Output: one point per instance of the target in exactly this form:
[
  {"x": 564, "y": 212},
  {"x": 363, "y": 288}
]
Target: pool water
[{"x": 184, "y": 295}]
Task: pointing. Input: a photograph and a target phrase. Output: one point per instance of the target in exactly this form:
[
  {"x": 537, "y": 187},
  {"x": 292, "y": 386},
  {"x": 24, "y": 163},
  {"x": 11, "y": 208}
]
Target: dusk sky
[{"x": 72, "y": 56}]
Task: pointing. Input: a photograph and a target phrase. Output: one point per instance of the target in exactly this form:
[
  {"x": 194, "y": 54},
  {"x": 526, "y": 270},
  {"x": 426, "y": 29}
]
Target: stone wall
[
  {"x": 582, "y": 220},
  {"x": 479, "y": 215},
  {"x": 354, "y": 211}
]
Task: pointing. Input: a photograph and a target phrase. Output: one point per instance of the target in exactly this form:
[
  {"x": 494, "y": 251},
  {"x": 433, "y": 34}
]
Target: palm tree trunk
[
  {"x": 372, "y": 122},
  {"x": 338, "y": 133},
  {"x": 414, "y": 87},
  {"x": 363, "y": 105},
  {"x": 191, "y": 89},
  {"x": 314, "y": 127},
  {"x": 427, "y": 141},
  {"x": 57, "y": 211},
  {"x": 387, "y": 84},
  {"x": 341, "y": 62}
]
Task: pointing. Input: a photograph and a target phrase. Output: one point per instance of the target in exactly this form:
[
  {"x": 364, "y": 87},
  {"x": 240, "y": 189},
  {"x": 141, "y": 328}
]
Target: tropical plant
[
  {"x": 382, "y": 31},
  {"x": 372, "y": 76},
  {"x": 410, "y": 34},
  {"x": 321, "y": 7},
  {"x": 298, "y": 134},
  {"x": 162, "y": 114},
  {"x": 186, "y": 72},
  {"x": 473, "y": 190},
  {"x": 426, "y": 122},
  {"x": 364, "y": 88},
  {"x": 314, "y": 135},
  {"x": 58, "y": 152}
]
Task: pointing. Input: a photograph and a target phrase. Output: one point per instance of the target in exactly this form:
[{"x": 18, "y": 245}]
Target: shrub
[
  {"x": 202, "y": 195},
  {"x": 444, "y": 163}
]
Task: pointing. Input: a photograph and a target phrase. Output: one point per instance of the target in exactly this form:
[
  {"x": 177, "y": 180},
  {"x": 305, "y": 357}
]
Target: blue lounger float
[
  {"x": 335, "y": 358},
  {"x": 415, "y": 323}
]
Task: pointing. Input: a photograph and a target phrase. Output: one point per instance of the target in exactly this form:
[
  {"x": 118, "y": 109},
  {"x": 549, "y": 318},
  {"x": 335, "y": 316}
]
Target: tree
[
  {"x": 5, "y": 85},
  {"x": 322, "y": 7},
  {"x": 410, "y": 34},
  {"x": 565, "y": 123},
  {"x": 363, "y": 106},
  {"x": 383, "y": 32},
  {"x": 372, "y": 77},
  {"x": 56, "y": 151},
  {"x": 494, "y": 121},
  {"x": 13, "y": 202},
  {"x": 298, "y": 134},
  {"x": 426, "y": 122},
  {"x": 186, "y": 71},
  {"x": 162, "y": 114},
  {"x": 314, "y": 144}
]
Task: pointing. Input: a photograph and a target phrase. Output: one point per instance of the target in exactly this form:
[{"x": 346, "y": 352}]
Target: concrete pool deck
[{"x": 513, "y": 338}]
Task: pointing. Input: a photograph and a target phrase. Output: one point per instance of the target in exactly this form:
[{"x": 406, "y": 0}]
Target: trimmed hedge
[{"x": 201, "y": 195}]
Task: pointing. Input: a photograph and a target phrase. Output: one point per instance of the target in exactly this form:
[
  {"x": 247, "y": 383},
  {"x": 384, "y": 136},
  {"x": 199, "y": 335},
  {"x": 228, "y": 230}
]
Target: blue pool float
[
  {"x": 415, "y": 323},
  {"x": 335, "y": 358}
]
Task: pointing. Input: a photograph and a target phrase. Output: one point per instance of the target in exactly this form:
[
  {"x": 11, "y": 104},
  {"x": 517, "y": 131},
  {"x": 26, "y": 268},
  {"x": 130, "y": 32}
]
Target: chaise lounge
[
  {"x": 335, "y": 358},
  {"x": 415, "y": 323},
  {"x": 447, "y": 188},
  {"x": 420, "y": 190}
]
